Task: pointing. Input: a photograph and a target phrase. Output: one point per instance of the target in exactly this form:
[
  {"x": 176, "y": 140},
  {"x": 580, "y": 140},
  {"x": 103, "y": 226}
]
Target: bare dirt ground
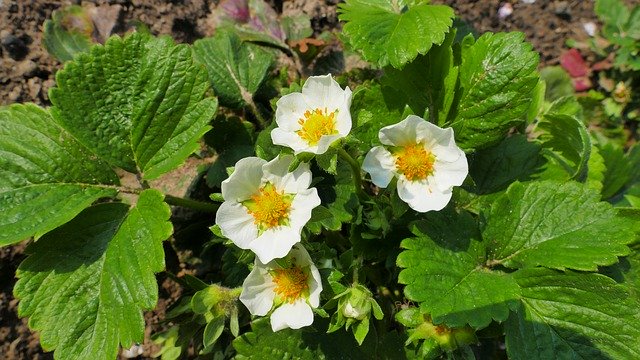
[{"x": 27, "y": 72}]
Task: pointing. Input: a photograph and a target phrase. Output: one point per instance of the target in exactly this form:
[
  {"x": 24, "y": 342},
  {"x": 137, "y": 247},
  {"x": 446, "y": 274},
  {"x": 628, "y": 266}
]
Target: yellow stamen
[
  {"x": 269, "y": 207},
  {"x": 415, "y": 162},
  {"x": 291, "y": 283},
  {"x": 316, "y": 123}
]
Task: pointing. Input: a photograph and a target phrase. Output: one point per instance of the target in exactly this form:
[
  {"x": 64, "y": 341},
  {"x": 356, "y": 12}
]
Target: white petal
[
  {"x": 324, "y": 92},
  {"x": 301, "y": 207},
  {"x": 244, "y": 181},
  {"x": 343, "y": 120},
  {"x": 449, "y": 174},
  {"x": 289, "y": 182},
  {"x": 300, "y": 256},
  {"x": 431, "y": 134},
  {"x": 289, "y": 109},
  {"x": 323, "y": 144},
  {"x": 293, "y": 316},
  {"x": 258, "y": 291},
  {"x": 289, "y": 139},
  {"x": 315, "y": 287},
  {"x": 402, "y": 133},
  {"x": 236, "y": 224},
  {"x": 381, "y": 165},
  {"x": 274, "y": 243},
  {"x": 422, "y": 196}
]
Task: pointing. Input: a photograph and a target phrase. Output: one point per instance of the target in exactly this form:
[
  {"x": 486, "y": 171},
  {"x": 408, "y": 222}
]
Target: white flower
[
  {"x": 291, "y": 285},
  {"x": 424, "y": 158},
  {"x": 266, "y": 206},
  {"x": 312, "y": 120}
]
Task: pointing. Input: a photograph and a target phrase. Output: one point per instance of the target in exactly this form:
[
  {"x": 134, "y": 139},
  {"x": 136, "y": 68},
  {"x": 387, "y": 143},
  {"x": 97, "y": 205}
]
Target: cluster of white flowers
[{"x": 266, "y": 206}]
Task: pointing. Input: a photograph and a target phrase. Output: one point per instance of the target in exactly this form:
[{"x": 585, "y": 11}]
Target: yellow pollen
[
  {"x": 415, "y": 162},
  {"x": 316, "y": 123},
  {"x": 269, "y": 207},
  {"x": 291, "y": 283}
]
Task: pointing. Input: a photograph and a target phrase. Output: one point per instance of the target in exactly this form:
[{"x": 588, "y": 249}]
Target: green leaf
[
  {"x": 613, "y": 13},
  {"x": 495, "y": 168},
  {"x": 236, "y": 68},
  {"x": 568, "y": 143},
  {"x": 444, "y": 271},
  {"x": 213, "y": 330},
  {"x": 232, "y": 139},
  {"x": 498, "y": 79},
  {"x": 135, "y": 102},
  {"x": 429, "y": 82},
  {"x": 84, "y": 284},
  {"x": 597, "y": 169},
  {"x": 308, "y": 343},
  {"x": 619, "y": 170},
  {"x": 557, "y": 225},
  {"x": 572, "y": 316},
  {"x": 46, "y": 176},
  {"x": 394, "y": 32},
  {"x": 558, "y": 83},
  {"x": 68, "y": 33},
  {"x": 337, "y": 194}
]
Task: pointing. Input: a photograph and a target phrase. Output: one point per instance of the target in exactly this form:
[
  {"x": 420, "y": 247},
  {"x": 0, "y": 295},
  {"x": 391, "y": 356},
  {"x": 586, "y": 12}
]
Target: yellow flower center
[
  {"x": 415, "y": 162},
  {"x": 269, "y": 207},
  {"x": 291, "y": 283},
  {"x": 316, "y": 123}
]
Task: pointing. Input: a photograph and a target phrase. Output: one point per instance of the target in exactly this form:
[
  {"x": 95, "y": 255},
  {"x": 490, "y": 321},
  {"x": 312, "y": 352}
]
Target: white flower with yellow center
[
  {"x": 424, "y": 158},
  {"x": 266, "y": 206},
  {"x": 312, "y": 120},
  {"x": 291, "y": 285}
]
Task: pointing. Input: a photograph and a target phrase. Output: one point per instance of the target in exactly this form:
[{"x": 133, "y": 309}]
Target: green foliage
[
  {"x": 444, "y": 271},
  {"x": 47, "y": 177},
  {"x": 542, "y": 223},
  {"x": 497, "y": 80},
  {"x": 109, "y": 254},
  {"x": 236, "y": 68},
  {"x": 567, "y": 143},
  {"x": 572, "y": 315},
  {"x": 394, "y": 32},
  {"x": 138, "y": 103},
  {"x": 68, "y": 33},
  {"x": 622, "y": 29}
]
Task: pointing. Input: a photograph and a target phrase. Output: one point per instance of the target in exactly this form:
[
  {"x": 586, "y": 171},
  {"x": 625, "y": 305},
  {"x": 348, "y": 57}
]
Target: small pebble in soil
[
  {"x": 590, "y": 28},
  {"x": 505, "y": 10}
]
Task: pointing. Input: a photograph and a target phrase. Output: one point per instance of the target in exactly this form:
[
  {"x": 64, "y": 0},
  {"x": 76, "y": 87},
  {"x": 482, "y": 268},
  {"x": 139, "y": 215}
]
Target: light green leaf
[
  {"x": 572, "y": 316},
  {"x": 619, "y": 170},
  {"x": 135, "y": 102},
  {"x": 498, "y": 79},
  {"x": 46, "y": 176},
  {"x": 597, "y": 169},
  {"x": 567, "y": 142},
  {"x": 495, "y": 168},
  {"x": 84, "y": 284},
  {"x": 558, "y": 83},
  {"x": 312, "y": 343},
  {"x": 613, "y": 13},
  {"x": 444, "y": 271},
  {"x": 236, "y": 68},
  {"x": 68, "y": 33},
  {"x": 557, "y": 225},
  {"x": 394, "y": 32}
]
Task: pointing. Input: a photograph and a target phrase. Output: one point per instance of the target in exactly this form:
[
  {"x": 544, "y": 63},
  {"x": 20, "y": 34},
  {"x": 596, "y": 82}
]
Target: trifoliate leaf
[
  {"x": 85, "y": 284},
  {"x": 445, "y": 273},
  {"x": 572, "y": 316},
  {"x": 429, "y": 82},
  {"x": 495, "y": 168},
  {"x": 557, "y": 225},
  {"x": 310, "y": 343},
  {"x": 498, "y": 79},
  {"x": 46, "y": 176},
  {"x": 236, "y": 68},
  {"x": 394, "y": 32},
  {"x": 135, "y": 102},
  {"x": 567, "y": 142}
]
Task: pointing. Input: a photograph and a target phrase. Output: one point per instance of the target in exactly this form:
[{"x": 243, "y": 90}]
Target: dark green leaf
[
  {"x": 68, "y": 33},
  {"x": 84, "y": 284},
  {"x": 568, "y": 143}
]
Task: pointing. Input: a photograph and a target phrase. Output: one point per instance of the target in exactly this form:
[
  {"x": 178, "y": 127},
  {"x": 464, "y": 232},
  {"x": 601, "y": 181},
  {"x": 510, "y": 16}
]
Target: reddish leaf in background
[
  {"x": 575, "y": 65},
  {"x": 582, "y": 83},
  {"x": 257, "y": 15}
]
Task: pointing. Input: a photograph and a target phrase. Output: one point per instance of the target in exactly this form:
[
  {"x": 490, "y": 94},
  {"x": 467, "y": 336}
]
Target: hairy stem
[
  {"x": 355, "y": 170},
  {"x": 191, "y": 204}
]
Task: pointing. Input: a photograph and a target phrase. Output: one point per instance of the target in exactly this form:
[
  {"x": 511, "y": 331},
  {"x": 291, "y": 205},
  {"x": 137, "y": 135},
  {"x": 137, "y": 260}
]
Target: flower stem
[
  {"x": 254, "y": 109},
  {"x": 355, "y": 170},
  {"x": 191, "y": 204}
]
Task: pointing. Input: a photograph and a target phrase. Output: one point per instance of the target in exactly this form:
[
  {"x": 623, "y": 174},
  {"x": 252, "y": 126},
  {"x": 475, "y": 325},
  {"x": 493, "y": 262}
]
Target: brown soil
[{"x": 27, "y": 72}]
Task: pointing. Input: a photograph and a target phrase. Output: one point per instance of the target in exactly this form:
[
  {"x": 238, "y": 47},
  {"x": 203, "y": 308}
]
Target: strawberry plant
[{"x": 433, "y": 205}]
